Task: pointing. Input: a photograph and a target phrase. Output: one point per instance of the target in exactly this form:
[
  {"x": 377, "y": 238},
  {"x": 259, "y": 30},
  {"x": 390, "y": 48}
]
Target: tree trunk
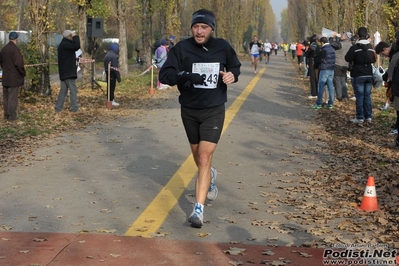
[
  {"x": 83, "y": 43},
  {"x": 121, "y": 10},
  {"x": 146, "y": 40},
  {"x": 39, "y": 16}
]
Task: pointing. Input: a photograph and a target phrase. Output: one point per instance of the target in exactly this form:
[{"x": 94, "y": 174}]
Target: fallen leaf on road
[
  {"x": 235, "y": 263},
  {"x": 235, "y": 251},
  {"x": 39, "y": 239},
  {"x": 268, "y": 252},
  {"x": 203, "y": 234}
]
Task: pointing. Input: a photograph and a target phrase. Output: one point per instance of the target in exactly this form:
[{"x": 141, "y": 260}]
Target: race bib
[{"x": 210, "y": 74}]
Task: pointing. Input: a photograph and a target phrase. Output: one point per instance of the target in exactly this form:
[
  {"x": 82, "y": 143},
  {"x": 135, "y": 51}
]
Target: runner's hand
[
  {"x": 195, "y": 78},
  {"x": 227, "y": 77}
]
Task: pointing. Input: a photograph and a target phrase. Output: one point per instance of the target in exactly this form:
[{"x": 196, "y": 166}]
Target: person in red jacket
[
  {"x": 299, "y": 53},
  {"x": 12, "y": 63}
]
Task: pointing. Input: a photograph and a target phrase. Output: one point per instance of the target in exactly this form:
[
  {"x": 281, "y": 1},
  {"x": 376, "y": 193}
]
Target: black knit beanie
[{"x": 204, "y": 16}]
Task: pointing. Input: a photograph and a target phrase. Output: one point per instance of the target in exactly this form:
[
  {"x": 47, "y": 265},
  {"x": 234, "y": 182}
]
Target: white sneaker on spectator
[
  {"x": 385, "y": 107},
  {"x": 357, "y": 121},
  {"x": 114, "y": 103}
]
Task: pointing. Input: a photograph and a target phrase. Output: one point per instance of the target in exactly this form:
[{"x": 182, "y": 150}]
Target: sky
[{"x": 278, "y": 6}]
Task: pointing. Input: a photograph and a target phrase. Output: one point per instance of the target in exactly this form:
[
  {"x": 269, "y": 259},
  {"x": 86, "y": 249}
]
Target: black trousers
[
  {"x": 313, "y": 79},
  {"x": 112, "y": 85}
]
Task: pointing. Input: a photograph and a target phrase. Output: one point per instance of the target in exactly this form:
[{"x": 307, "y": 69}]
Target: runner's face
[{"x": 201, "y": 32}]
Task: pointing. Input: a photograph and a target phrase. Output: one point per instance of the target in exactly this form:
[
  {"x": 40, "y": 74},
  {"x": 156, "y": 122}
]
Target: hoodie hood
[
  {"x": 114, "y": 47},
  {"x": 363, "y": 44}
]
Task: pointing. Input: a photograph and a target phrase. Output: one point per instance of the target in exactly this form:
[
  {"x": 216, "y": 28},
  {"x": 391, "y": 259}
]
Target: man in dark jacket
[
  {"x": 310, "y": 55},
  {"x": 67, "y": 69},
  {"x": 326, "y": 62},
  {"x": 202, "y": 67},
  {"x": 111, "y": 59},
  {"x": 12, "y": 63},
  {"x": 360, "y": 56}
]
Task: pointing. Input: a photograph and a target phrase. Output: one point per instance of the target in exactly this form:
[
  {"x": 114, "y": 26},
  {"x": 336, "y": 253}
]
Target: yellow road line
[{"x": 155, "y": 214}]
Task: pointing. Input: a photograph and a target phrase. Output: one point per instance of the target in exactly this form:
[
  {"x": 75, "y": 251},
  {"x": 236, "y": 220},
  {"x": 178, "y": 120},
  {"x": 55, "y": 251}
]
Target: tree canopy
[
  {"x": 137, "y": 23},
  {"x": 303, "y": 18}
]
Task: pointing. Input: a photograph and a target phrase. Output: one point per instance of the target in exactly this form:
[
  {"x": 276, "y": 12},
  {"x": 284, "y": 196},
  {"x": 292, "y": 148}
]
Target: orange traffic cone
[{"x": 369, "y": 201}]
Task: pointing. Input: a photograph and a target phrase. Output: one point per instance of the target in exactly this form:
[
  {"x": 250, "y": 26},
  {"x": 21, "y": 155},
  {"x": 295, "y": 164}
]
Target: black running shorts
[{"x": 203, "y": 124}]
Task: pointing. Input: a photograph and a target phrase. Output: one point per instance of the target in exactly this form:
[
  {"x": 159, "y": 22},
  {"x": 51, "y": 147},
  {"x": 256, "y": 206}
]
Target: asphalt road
[{"x": 103, "y": 178}]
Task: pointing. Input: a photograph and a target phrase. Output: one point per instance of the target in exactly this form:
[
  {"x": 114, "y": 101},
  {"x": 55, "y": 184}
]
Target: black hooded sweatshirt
[{"x": 360, "y": 57}]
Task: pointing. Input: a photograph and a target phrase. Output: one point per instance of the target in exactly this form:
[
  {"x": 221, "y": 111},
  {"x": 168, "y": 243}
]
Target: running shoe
[
  {"x": 197, "y": 216},
  {"x": 213, "y": 190}
]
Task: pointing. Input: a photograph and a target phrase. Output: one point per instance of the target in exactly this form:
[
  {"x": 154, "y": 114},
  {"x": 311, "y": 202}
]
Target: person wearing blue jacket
[
  {"x": 112, "y": 58},
  {"x": 202, "y": 66},
  {"x": 67, "y": 69},
  {"x": 326, "y": 62}
]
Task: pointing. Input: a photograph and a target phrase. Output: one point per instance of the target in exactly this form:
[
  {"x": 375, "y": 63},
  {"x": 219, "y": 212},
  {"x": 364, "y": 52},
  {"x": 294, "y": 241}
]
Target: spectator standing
[
  {"x": 255, "y": 49},
  {"x": 313, "y": 69},
  {"x": 361, "y": 56},
  {"x": 171, "y": 41},
  {"x": 67, "y": 70},
  {"x": 114, "y": 75},
  {"x": 341, "y": 67},
  {"x": 305, "y": 49},
  {"x": 160, "y": 56},
  {"x": 383, "y": 48},
  {"x": 326, "y": 74},
  {"x": 156, "y": 44},
  {"x": 12, "y": 64},
  {"x": 202, "y": 66},
  {"x": 299, "y": 53},
  {"x": 393, "y": 82},
  {"x": 392, "y": 50}
]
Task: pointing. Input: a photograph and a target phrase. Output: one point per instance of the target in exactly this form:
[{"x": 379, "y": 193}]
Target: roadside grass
[{"x": 37, "y": 119}]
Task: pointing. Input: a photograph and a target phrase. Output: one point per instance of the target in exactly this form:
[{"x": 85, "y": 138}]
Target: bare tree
[
  {"x": 121, "y": 16},
  {"x": 146, "y": 31},
  {"x": 40, "y": 23}
]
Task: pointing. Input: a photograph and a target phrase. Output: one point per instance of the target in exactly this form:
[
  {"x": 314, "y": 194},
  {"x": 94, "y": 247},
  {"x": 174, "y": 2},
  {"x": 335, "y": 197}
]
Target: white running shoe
[
  {"x": 114, "y": 103},
  {"x": 213, "y": 190},
  {"x": 197, "y": 216}
]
